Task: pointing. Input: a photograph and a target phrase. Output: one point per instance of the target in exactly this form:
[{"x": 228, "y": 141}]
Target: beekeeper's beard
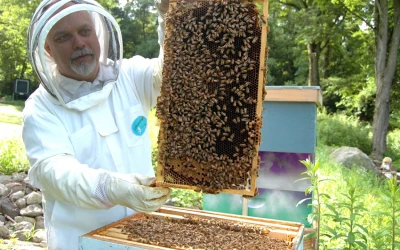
[{"x": 84, "y": 68}]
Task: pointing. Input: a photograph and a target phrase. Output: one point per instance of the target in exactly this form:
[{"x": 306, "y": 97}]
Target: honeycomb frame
[{"x": 210, "y": 106}]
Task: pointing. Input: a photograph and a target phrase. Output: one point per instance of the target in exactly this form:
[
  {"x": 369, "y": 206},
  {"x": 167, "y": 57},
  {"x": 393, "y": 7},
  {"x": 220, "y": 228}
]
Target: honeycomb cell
[{"x": 209, "y": 104}]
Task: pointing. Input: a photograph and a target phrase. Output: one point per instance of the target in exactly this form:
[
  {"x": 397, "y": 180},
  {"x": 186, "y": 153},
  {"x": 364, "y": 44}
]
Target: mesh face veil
[{"x": 48, "y": 13}]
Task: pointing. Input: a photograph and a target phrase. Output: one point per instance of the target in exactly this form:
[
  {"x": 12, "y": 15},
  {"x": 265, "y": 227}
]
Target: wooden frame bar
[
  {"x": 112, "y": 236},
  {"x": 249, "y": 190}
]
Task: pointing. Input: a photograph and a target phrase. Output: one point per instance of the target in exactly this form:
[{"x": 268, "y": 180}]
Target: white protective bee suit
[{"x": 87, "y": 142}]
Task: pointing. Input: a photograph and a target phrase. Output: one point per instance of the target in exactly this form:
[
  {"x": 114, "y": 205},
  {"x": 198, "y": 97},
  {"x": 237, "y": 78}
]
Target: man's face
[{"x": 74, "y": 46}]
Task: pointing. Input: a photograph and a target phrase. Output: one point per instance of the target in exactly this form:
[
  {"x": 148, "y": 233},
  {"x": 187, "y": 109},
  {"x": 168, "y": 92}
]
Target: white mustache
[{"x": 81, "y": 52}]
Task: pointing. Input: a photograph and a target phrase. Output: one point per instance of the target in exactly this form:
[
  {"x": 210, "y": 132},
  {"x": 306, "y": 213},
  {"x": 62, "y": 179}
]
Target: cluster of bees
[
  {"x": 193, "y": 232},
  {"x": 209, "y": 126}
]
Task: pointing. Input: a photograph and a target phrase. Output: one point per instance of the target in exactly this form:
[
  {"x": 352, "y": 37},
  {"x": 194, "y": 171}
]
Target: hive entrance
[{"x": 211, "y": 98}]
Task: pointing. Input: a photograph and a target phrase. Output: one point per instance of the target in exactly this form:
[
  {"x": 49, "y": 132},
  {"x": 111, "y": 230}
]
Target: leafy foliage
[
  {"x": 393, "y": 151},
  {"x": 360, "y": 212},
  {"x": 14, "y": 19},
  {"x": 391, "y": 197},
  {"x": 186, "y": 198},
  {"x": 340, "y": 95},
  {"x": 138, "y": 23},
  {"x": 346, "y": 214},
  {"x": 12, "y": 156},
  {"x": 337, "y": 130},
  {"x": 315, "y": 179}
]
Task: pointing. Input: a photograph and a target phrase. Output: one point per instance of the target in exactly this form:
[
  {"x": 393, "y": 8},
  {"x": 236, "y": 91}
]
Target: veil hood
[{"x": 108, "y": 33}]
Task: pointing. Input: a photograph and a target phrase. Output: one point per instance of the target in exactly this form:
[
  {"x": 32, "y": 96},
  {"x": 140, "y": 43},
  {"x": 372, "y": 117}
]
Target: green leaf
[
  {"x": 361, "y": 244},
  {"x": 303, "y": 179},
  {"x": 351, "y": 237},
  {"x": 363, "y": 228},
  {"x": 310, "y": 235},
  {"x": 323, "y": 195}
]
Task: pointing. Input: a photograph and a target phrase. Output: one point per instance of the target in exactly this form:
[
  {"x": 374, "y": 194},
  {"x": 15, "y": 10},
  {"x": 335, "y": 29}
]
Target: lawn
[{"x": 11, "y": 112}]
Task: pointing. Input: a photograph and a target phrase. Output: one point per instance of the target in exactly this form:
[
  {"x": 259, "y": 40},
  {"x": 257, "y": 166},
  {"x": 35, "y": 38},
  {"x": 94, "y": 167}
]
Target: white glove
[
  {"x": 134, "y": 191},
  {"x": 67, "y": 180}
]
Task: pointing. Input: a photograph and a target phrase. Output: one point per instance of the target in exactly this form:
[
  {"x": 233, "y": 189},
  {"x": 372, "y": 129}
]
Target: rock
[
  {"x": 39, "y": 236},
  {"x": 4, "y": 191},
  {"x": 39, "y": 222},
  {"x": 32, "y": 210},
  {"x": 15, "y": 186},
  {"x": 21, "y": 203},
  {"x": 9, "y": 225},
  {"x": 23, "y": 230},
  {"x": 21, "y": 235},
  {"x": 4, "y": 232},
  {"x": 24, "y": 226},
  {"x": 28, "y": 190},
  {"x": 8, "y": 208},
  {"x": 17, "y": 195},
  {"x": 18, "y": 176},
  {"x": 351, "y": 157},
  {"x": 20, "y": 219},
  {"x": 33, "y": 198},
  {"x": 2, "y": 219},
  {"x": 9, "y": 185},
  {"x": 5, "y": 178}
]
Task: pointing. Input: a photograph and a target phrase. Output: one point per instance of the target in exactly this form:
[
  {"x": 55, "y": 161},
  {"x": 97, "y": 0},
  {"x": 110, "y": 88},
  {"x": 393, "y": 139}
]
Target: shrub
[
  {"x": 355, "y": 214},
  {"x": 338, "y": 130},
  {"x": 12, "y": 156},
  {"x": 393, "y": 146}
]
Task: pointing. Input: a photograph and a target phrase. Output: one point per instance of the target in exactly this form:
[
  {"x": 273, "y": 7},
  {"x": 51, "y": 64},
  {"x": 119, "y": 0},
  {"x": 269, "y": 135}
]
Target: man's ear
[{"x": 47, "y": 48}]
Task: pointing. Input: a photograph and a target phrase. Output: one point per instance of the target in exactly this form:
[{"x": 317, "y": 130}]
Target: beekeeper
[{"x": 85, "y": 128}]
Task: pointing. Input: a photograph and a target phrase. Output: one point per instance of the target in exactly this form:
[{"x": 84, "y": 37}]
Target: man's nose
[{"x": 78, "y": 42}]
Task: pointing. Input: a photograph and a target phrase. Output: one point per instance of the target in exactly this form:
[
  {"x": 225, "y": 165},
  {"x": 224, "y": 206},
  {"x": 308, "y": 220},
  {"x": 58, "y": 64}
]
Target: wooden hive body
[{"x": 289, "y": 235}]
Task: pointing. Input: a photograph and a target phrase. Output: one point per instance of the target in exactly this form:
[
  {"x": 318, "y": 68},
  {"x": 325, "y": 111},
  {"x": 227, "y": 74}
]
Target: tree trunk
[
  {"x": 23, "y": 69},
  {"x": 325, "y": 63},
  {"x": 385, "y": 66},
  {"x": 313, "y": 76}
]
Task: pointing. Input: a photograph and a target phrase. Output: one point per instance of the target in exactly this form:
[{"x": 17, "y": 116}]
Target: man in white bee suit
[{"x": 85, "y": 127}]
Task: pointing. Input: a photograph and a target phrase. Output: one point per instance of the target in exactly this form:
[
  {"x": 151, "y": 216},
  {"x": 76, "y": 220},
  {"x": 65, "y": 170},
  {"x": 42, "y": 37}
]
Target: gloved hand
[{"x": 134, "y": 191}]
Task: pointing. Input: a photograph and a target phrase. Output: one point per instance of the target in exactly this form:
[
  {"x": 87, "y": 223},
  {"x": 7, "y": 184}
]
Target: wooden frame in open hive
[
  {"x": 210, "y": 106},
  {"x": 114, "y": 236}
]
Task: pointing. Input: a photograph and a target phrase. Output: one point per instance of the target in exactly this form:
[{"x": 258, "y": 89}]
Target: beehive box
[
  {"x": 210, "y": 104},
  {"x": 194, "y": 229}
]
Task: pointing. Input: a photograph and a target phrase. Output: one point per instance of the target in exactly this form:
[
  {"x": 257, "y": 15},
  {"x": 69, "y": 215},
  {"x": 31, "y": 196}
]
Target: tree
[
  {"x": 138, "y": 22},
  {"x": 318, "y": 23},
  {"x": 14, "y": 20},
  {"x": 387, "y": 46},
  {"x": 386, "y": 26}
]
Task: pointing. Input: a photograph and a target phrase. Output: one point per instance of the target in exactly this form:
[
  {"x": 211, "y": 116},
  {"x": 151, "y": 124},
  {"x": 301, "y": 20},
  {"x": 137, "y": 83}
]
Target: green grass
[{"x": 11, "y": 112}]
